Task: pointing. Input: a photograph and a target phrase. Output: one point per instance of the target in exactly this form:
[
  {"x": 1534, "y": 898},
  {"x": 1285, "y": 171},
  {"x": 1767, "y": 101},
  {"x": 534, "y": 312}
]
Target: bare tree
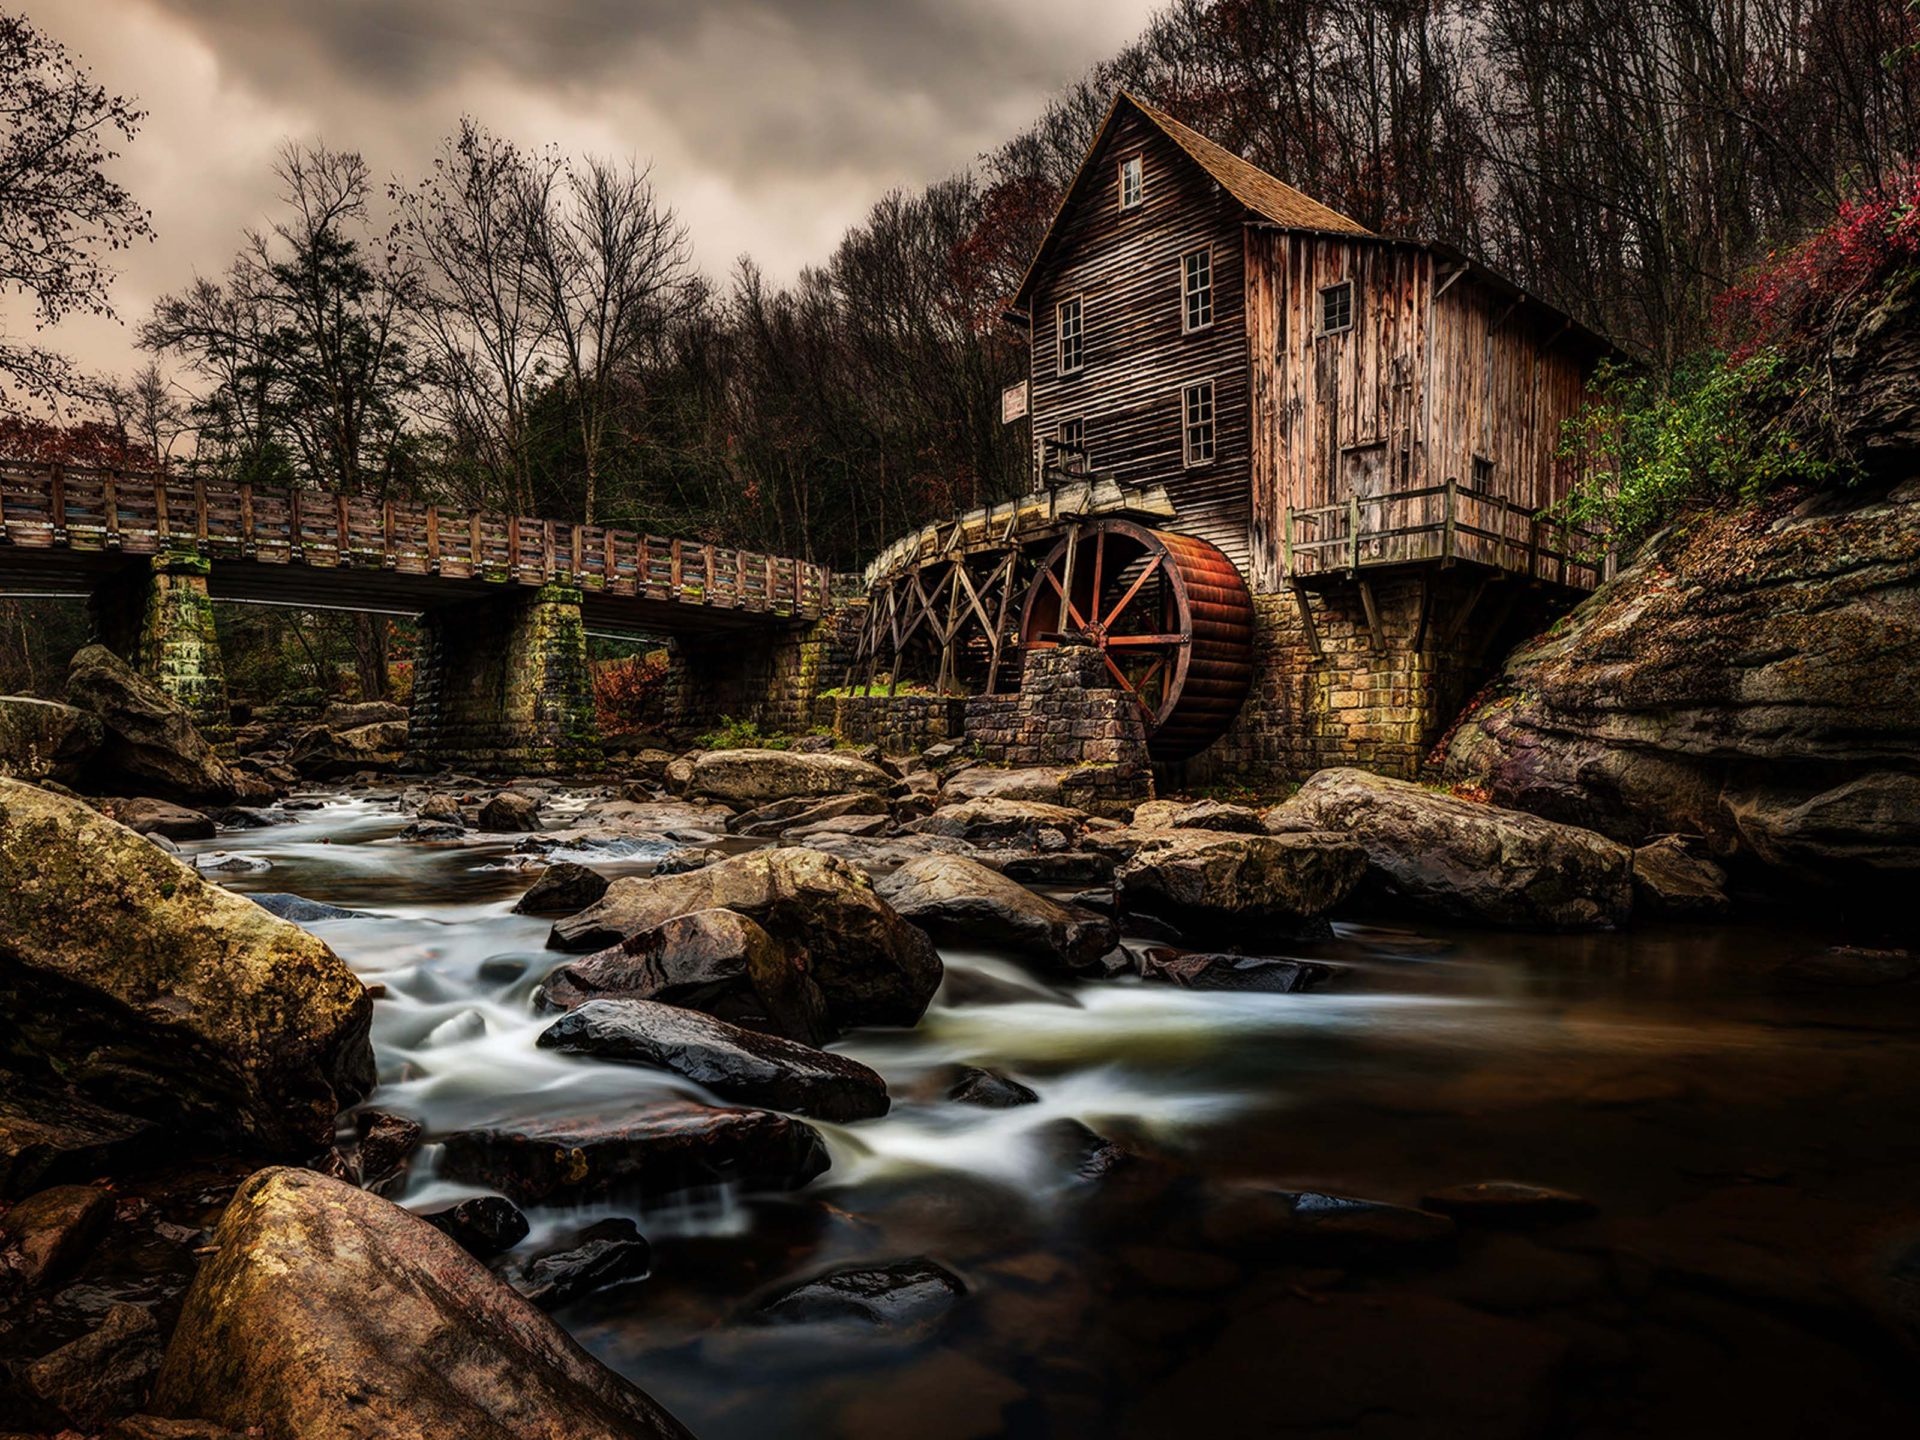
[
  {"x": 60, "y": 216},
  {"x": 612, "y": 272},
  {"x": 147, "y": 409}
]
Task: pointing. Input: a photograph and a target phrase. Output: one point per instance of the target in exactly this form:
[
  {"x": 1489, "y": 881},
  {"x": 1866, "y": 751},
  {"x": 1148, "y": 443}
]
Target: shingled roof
[{"x": 1267, "y": 198}]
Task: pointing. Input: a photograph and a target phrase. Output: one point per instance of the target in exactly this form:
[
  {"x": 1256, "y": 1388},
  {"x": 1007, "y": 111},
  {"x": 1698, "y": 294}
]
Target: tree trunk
[{"x": 370, "y": 655}]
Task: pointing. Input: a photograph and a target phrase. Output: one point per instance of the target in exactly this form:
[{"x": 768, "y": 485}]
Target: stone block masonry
[
  {"x": 1354, "y": 701},
  {"x": 1067, "y": 715},
  {"x": 158, "y": 616},
  {"x": 501, "y": 685}
]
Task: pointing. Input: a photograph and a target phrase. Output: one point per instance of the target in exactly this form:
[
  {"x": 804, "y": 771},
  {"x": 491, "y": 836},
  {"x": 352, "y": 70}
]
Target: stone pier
[
  {"x": 501, "y": 685},
  {"x": 157, "y": 615}
]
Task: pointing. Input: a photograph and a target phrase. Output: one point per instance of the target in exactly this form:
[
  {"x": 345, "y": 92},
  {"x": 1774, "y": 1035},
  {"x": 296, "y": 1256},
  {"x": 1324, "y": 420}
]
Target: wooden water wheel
[{"x": 1170, "y": 616}]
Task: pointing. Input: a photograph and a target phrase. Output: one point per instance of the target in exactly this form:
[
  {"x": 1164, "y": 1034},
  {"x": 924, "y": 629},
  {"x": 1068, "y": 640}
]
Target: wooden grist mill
[{"x": 1275, "y": 454}]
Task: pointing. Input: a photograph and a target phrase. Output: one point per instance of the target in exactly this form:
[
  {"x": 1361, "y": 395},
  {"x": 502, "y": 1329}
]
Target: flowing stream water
[{"x": 1664, "y": 1074}]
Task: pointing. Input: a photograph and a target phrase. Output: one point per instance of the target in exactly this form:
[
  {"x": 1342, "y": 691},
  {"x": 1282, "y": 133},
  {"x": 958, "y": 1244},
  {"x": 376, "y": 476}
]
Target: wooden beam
[
  {"x": 1459, "y": 621},
  {"x": 1373, "y": 616},
  {"x": 1426, "y": 611},
  {"x": 1306, "y": 621}
]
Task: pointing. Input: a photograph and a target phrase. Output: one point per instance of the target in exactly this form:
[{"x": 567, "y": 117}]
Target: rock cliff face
[{"x": 1753, "y": 678}]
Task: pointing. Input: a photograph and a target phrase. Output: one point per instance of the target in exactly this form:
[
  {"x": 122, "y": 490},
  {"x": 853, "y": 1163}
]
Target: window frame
[
  {"x": 1079, "y": 424},
  {"x": 1188, "y": 291},
  {"x": 1320, "y": 319},
  {"x": 1138, "y": 165},
  {"x": 1078, "y": 302},
  {"x": 1190, "y": 393}
]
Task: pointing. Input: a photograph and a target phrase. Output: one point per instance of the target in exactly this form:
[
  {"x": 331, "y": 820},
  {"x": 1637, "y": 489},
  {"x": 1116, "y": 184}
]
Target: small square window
[
  {"x": 1072, "y": 436},
  {"x": 1483, "y": 474},
  {"x": 1196, "y": 290},
  {"x": 1070, "y": 336},
  {"x": 1336, "y": 308},
  {"x": 1132, "y": 183},
  {"x": 1196, "y": 421}
]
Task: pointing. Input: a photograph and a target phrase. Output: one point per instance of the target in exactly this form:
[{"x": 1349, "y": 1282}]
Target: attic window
[
  {"x": 1196, "y": 290},
  {"x": 1132, "y": 183},
  {"x": 1069, "y": 336},
  {"x": 1336, "y": 308}
]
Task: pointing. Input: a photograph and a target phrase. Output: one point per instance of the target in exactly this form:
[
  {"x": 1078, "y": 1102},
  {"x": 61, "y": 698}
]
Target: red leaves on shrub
[{"x": 630, "y": 694}]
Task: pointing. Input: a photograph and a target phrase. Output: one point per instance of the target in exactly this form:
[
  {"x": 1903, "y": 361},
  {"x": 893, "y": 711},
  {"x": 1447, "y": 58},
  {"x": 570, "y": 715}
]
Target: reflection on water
[{"x": 1655, "y": 1072}]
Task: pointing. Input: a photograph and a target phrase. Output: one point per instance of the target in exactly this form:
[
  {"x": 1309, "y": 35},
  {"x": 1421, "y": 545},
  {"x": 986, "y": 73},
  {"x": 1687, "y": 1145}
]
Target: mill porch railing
[{"x": 1443, "y": 523}]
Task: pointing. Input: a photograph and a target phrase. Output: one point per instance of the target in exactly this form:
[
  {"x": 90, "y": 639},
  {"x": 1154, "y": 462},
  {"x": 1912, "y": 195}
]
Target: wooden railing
[
  {"x": 1448, "y": 522},
  {"x": 43, "y": 506}
]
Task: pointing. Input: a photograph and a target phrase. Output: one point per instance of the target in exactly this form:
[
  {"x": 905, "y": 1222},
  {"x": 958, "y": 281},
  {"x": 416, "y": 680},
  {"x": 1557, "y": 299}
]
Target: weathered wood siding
[
  {"x": 1125, "y": 266},
  {"x": 1431, "y": 376},
  {"x": 1332, "y": 415}
]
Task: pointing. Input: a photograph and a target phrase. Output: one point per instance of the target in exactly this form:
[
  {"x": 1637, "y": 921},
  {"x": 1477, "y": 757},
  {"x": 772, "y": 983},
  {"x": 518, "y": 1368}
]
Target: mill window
[
  {"x": 1336, "y": 308},
  {"x": 1132, "y": 183},
  {"x": 1196, "y": 290},
  {"x": 1070, "y": 336},
  {"x": 1196, "y": 407}
]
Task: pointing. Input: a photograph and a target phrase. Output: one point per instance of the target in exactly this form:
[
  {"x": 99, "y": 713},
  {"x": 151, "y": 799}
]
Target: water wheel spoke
[
  {"x": 1163, "y": 639},
  {"x": 1126, "y": 684},
  {"x": 1099, "y": 566},
  {"x": 1067, "y": 608},
  {"x": 1133, "y": 590}
]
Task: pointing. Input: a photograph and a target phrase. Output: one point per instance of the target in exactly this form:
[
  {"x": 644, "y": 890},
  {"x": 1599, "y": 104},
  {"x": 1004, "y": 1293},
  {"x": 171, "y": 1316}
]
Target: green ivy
[
  {"x": 1714, "y": 430},
  {"x": 743, "y": 735}
]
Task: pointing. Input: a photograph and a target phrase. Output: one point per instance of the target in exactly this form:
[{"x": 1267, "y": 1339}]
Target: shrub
[
  {"x": 1719, "y": 428},
  {"x": 742, "y": 735},
  {"x": 630, "y": 693}
]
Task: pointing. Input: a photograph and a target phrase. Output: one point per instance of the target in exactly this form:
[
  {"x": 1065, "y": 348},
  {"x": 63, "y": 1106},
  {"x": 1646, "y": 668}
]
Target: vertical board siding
[{"x": 1125, "y": 266}]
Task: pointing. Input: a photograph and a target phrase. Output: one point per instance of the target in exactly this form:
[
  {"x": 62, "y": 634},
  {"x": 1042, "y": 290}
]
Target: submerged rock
[
  {"x": 644, "y": 1153},
  {"x": 990, "y": 1089},
  {"x": 1191, "y": 970},
  {"x": 335, "y": 1315},
  {"x": 484, "y": 1226},
  {"x": 1207, "y": 882},
  {"x": 755, "y": 777},
  {"x": 733, "y": 1063},
  {"x": 907, "y": 1297},
  {"x": 965, "y": 901},
  {"x": 873, "y": 966},
  {"x": 605, "y": 1253},
  {"x": 162, "y": 994},
  {"x": 563, "y": 888},
  {"x": 1447, "y": 856},
  {"x": 151, "y": 744},
  {"x": 715, "y": 961},
  {"x": 1506, "y": 1202},
  {"x": 299, "y": 909},
  {"x": 1267, "y": 1223}
]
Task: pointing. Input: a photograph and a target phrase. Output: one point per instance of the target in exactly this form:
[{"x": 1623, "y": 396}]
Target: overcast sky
[{"x": 771, "y": 124}]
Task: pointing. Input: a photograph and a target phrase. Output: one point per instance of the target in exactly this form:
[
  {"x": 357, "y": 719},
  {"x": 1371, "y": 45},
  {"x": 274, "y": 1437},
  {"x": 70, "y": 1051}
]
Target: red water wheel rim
[{"x": 1170, "y": 616}]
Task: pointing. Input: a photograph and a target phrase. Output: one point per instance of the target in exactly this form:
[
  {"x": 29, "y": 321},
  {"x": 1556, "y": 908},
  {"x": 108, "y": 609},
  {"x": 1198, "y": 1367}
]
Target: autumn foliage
[{"x": 630, "y": 694}]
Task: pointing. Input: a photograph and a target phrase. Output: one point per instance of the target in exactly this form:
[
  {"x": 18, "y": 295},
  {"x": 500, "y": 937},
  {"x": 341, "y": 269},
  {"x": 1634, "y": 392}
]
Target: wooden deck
[
  {"x": 345, "y": 550},
  {"x": 1445, "y": 524}
]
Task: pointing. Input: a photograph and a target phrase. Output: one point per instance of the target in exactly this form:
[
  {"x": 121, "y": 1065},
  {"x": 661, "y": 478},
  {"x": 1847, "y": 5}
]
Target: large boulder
[
  {"x": 756, "y": 777},
  {"x": 712, "y": 960},
  {"x": 1198, "y": 815},
  {"x": 1750, "y": 679},
  {"x": 164, "y": 996},
  {"x": 638, "y": 1153},
  {"x": 1670, "y": 880},
  {"x": 146, "y": 816},
  {"x": 732, "y": 1062},
  {"x": 873, "y": 967},
  {"x": 965, "y": 901},
  {"x": 43, "y": 739},
  {"x": 1207, "y": 882},
  {"x": 1000, "y": 822},
  {"x": 562, "y": 888},
  {"x": 352, "y": 715},
  {"x": 327, "y": 1313},
  {"x": 151, "y": 747},
  {"x": 322, "y": 752},
  {"x": 1444, "y": 855}
]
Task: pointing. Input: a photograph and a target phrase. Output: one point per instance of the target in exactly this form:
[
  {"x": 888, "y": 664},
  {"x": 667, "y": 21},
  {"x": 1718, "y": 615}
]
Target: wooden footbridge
[{"x": 63, "y": 528}]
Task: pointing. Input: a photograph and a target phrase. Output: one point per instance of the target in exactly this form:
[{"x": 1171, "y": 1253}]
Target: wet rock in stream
[
  {"x": 1267, "y": 1223},
  {"x": 906, "y": 1298},
  {"x": 1506, "y": 1202},
  {"x": 1192, "y": 970},
  {"x": 990, "y": 1090},
  {"x": 712, "y": 960},
  {"x": 647, "y": 1152},
  {"x": 962, "y": 899},
  {"x": 47, "y": 1234},
  {"x": 300, "y": 910},
  {"x": 603, "y": 1254},
  {"x": 563, "y": 888},
  {"x": 484, "y": 1226},
  {"x": 732, "y": 1062},
  {"x": 109, "y": 1370}
]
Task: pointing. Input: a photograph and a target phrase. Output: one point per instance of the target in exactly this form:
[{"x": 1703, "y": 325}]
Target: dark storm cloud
[{"x": 749, "y": 81}]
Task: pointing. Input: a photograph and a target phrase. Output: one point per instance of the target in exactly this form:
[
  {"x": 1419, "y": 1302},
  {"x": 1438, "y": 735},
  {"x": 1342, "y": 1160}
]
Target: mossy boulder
[
  {"x": 43, "y": 739},
  {"x": 152, "y": 747},
  {"x": 755, "y": 777},
  {"x": 327, "y": 1313},
  {"x": 163, "y": 996}
]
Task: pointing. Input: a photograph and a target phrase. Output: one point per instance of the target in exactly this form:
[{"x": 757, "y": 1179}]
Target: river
[{"x": 1728, "y": 1119}]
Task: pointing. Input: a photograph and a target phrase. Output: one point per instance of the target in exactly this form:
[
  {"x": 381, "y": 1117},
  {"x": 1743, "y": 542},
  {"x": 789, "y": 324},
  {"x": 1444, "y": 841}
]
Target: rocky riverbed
[{"x": 1375, "y": 1111}]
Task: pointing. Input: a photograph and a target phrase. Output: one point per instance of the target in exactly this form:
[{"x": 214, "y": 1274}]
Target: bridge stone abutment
[
  {"x": 501, "y": 685},
  {"x": 156, "y": 614}
]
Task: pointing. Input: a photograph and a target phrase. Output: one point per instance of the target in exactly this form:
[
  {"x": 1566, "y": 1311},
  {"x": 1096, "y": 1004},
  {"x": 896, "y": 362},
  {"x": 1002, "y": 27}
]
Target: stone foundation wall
[
  {"x": 1355, "y": 703},
  {"x": 1066, "y": 714},
  {"x": 158, "y": 616},
  {"x": 898, "y": 724},
  {"x": 502, "y": 685},
  {"x": 773, "y": 679}
]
